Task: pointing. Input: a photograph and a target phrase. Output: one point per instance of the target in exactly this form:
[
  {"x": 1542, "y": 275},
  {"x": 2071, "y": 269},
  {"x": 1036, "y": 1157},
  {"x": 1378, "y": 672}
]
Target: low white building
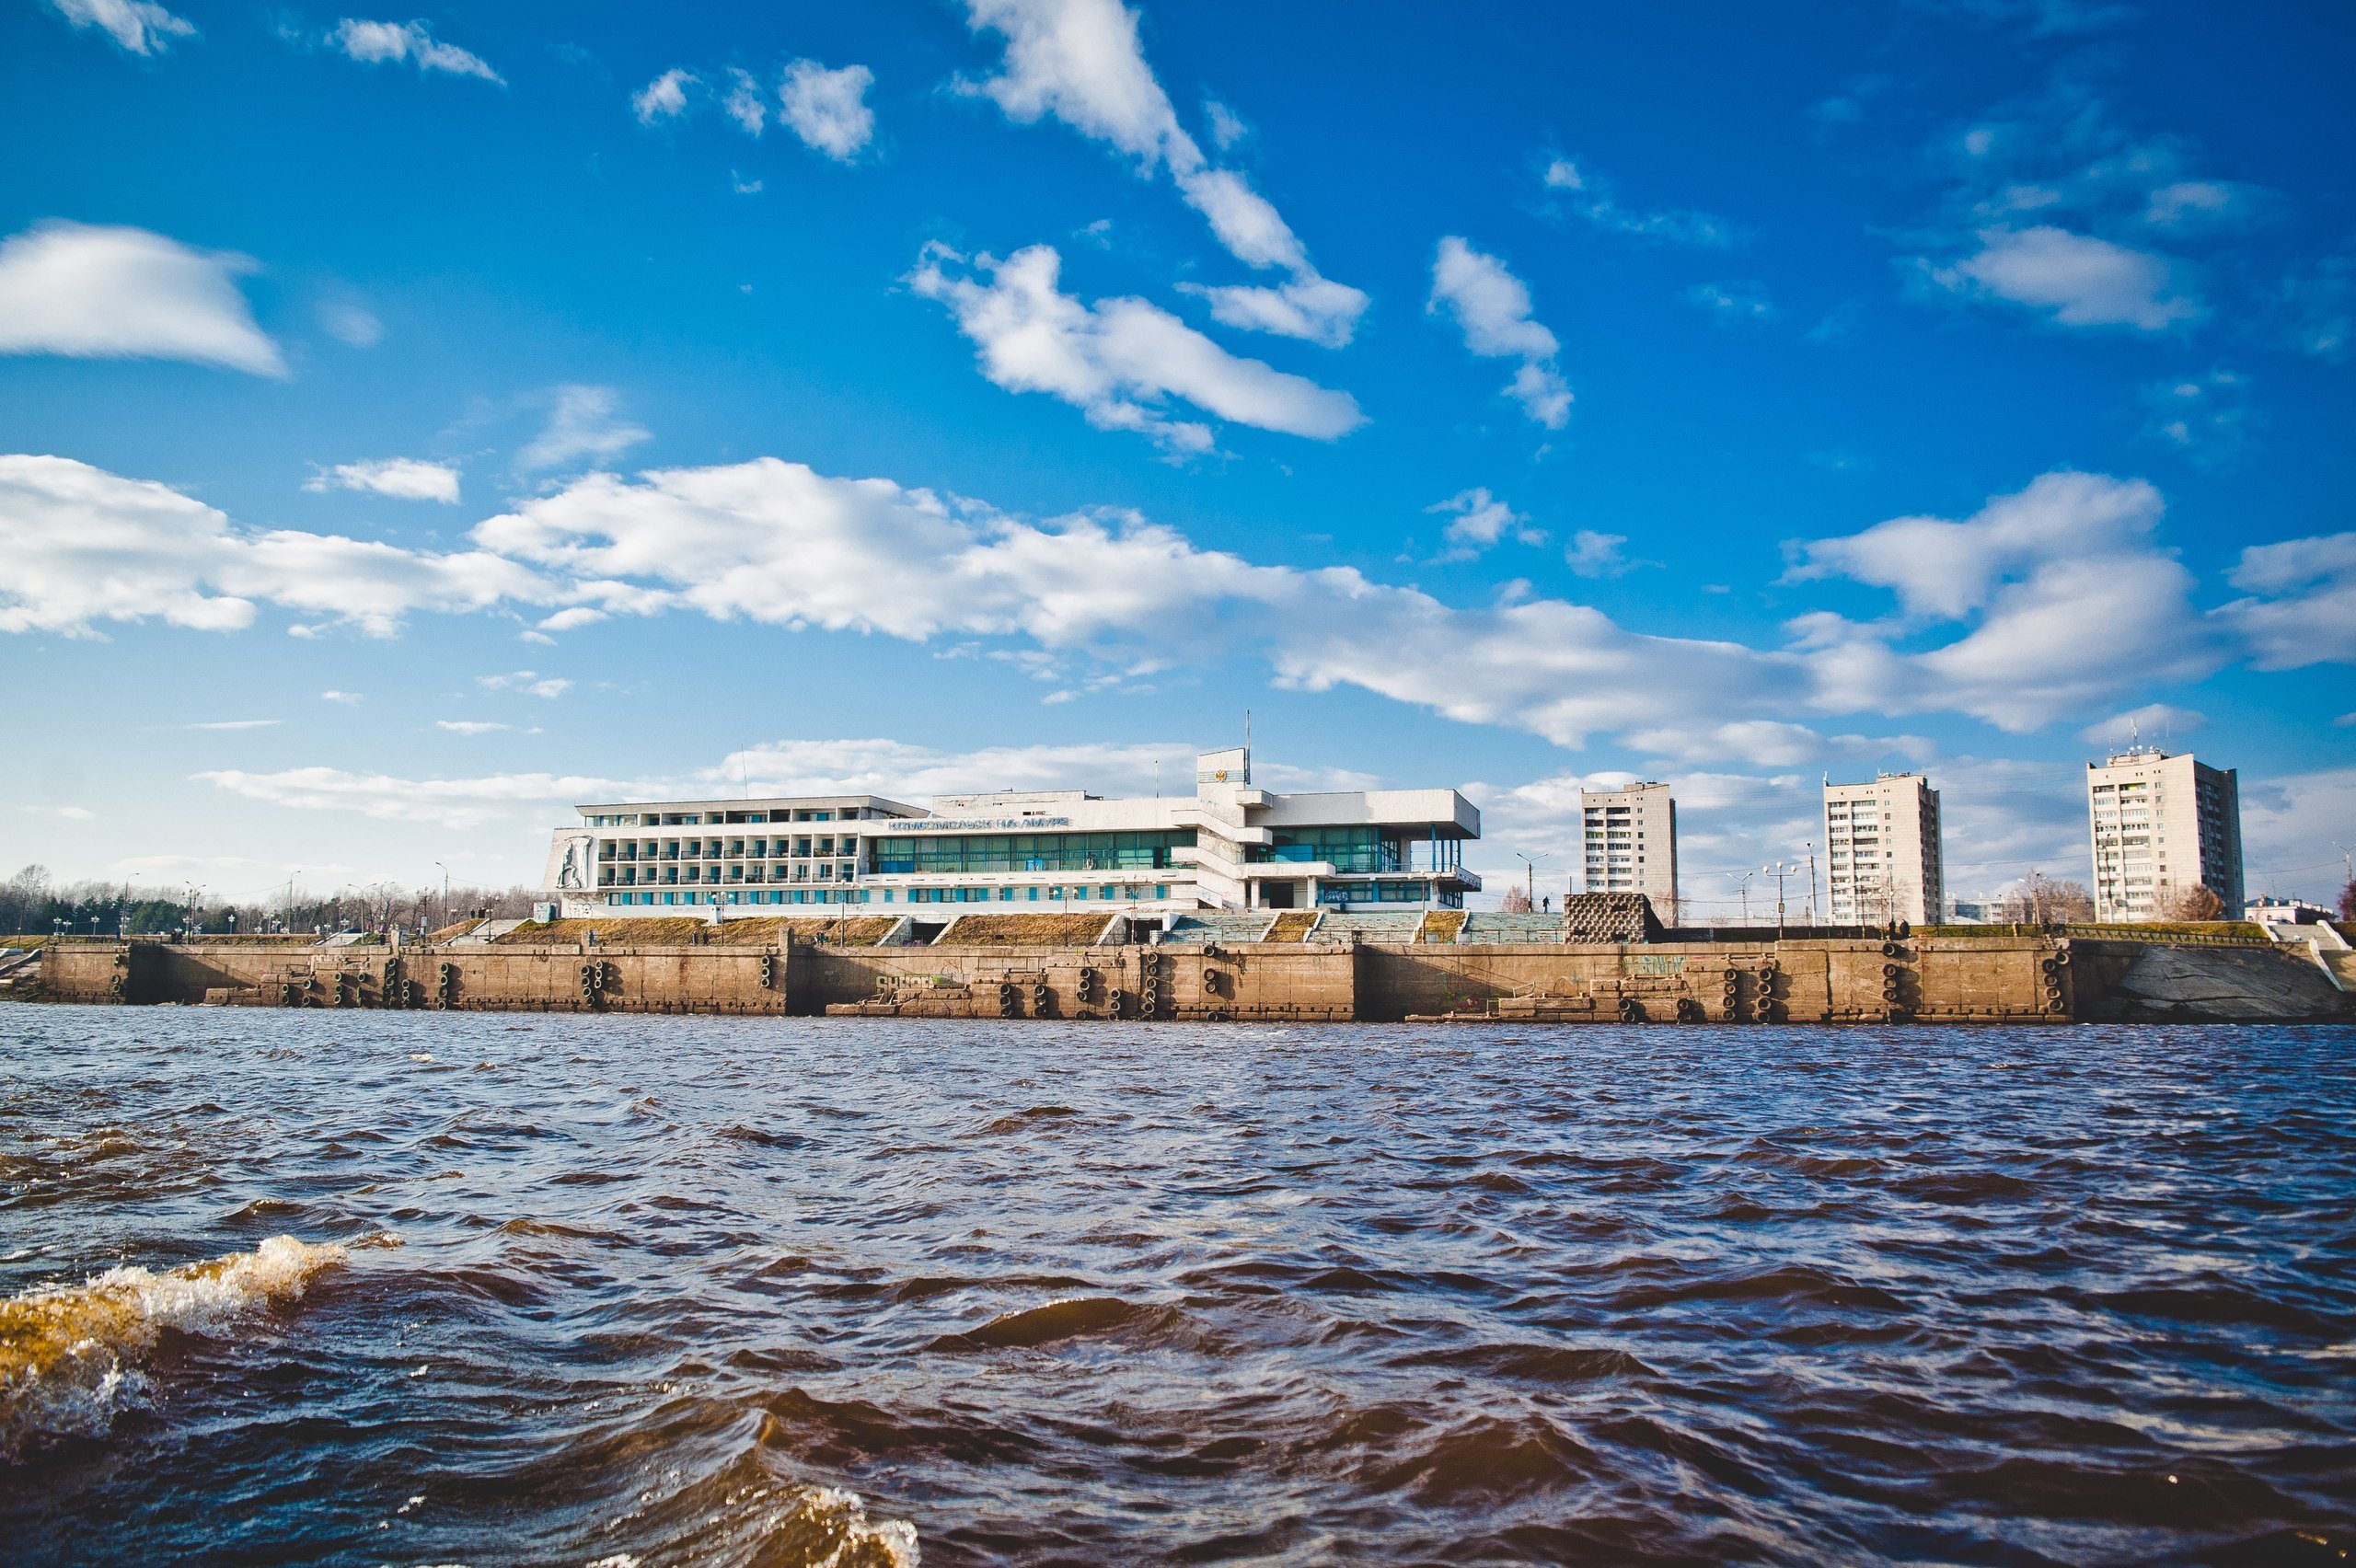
[{"x": 1227, "y": 845}]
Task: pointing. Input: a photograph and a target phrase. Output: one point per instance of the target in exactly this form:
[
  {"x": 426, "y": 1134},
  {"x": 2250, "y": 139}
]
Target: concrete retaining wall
[
  {"x": 1798, "y": 981},
  {"x": 1941, "y": 979}
]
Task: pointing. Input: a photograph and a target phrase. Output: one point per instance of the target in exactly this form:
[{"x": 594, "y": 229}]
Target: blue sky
[{"x": 415, "y": 424}]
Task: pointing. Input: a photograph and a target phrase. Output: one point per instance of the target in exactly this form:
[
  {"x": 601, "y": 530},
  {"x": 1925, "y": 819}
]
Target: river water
[{"x": 626, "y": 1290}]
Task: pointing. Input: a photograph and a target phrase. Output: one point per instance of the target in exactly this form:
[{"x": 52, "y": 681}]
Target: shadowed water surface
[{"x": 681, "y": 1289}]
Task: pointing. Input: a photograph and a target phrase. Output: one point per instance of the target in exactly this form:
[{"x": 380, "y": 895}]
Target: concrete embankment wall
[
  {"x": 478, "y": 978},
  {"x": 2016, "y": 978}
]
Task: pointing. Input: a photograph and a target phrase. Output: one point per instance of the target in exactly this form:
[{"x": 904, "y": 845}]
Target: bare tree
[
  {"x": 2037, "y": 899},
  {"x": 2196, "y": 902},
  {"x": 1516, "y": 902}
]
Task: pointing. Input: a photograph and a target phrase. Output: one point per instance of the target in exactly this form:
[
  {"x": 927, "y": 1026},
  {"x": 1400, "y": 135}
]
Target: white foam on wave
[{"x": 70, "y": 1354}]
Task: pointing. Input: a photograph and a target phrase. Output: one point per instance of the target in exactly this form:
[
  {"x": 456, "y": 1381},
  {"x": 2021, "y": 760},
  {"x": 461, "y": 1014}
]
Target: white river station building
[{"x": 1227, "y": 845}]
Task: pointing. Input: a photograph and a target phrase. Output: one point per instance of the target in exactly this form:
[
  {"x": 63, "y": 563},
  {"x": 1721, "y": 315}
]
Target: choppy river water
[{"x": 672, "y": 1290}]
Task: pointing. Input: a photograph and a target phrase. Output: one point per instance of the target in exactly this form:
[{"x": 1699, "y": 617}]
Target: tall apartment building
[
  {"x": 1884, "y": 858},
  {"x": 2162, "y": 823},
  {"x": 1630, "y": 838}
]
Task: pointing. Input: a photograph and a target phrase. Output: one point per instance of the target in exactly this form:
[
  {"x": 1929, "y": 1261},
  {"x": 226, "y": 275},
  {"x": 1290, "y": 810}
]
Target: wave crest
[{"x": 69, "y": 1354}]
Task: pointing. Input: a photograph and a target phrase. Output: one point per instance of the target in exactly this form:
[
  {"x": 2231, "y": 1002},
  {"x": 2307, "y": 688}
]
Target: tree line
[{"x": 32, "y": 904}]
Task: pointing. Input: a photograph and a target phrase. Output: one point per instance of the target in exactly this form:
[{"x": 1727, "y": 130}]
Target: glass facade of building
[{"x": 960, "y": 854}]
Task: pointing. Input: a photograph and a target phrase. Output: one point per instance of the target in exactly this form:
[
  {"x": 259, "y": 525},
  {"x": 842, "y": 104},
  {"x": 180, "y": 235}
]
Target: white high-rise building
[
  {"x": 1884, "y": 858},
  {"x": 2163, "y": 825},
  {"x": 1630, "y": 840}
]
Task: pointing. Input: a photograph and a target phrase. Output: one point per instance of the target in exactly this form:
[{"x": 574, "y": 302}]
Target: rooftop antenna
[{"x": 1247, "y": 745}]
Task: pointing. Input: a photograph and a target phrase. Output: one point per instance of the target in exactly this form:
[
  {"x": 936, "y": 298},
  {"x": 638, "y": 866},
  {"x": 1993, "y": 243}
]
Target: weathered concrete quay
[{"x": 1047, "y": 967}]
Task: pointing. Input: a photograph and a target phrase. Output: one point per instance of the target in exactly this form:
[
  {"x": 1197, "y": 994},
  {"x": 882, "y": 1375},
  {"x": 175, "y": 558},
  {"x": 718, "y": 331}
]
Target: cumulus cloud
[
  {"x": 1119, "y": 361},
  {"x": 2045, "y": 603},
  {"x": 1081, "y": 61},
  {"x": 2302, "y": 604},
  {"x": 470, "y": 726},
  {"x": 138, "y": 26},
  {"x": 115, "y": 292},
  {"x": 2076, "y": 280},
  {"x": 665, "y": 98},
  {"x": 584, "y": 422},
  {"x": 404, "y": 478},
  {"x": 2055, "y": 208},
  {"x": 1478, "y": 520},
  {"x": 827, "y": 108},
  {"x": 1592, "y": 199},
  {"x": 1599, "y": 555},
  {"x": 85, "y": 547},
  {"x": 745, "y": 104},
  {"x": 407, "y": 43},
  {"x": 1491, "y": 307},
  {"x": 2067, "y": 593}
]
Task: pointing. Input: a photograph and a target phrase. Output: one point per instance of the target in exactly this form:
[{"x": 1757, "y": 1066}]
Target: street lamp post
[
  {"x": 1530, "y": 876},
  {"x": 445, "y": 890},
  {"x": 1779, "y": 870},
  {"x": 1743, "y": 878}
]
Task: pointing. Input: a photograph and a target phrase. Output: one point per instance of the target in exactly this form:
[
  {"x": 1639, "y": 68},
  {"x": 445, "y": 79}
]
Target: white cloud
[
  {"x": 744, "y": 103},
  {"x": 584, "y": 422},
  {"x": 2058, "y": 209},
  {"x": 2303, "y": 605},
  {"x": 68, "y": 814},
  {"x": 85, "y": 547},
  {"x": 827, "y": 108},
  {"x": 531, "y": 682},
  {"x": 138, "y": 25},
  {"x": 1591, "y": 197},
  {"x": 2288, "y": 828},
  {"x": 448, "y": 802},
  {"x": 470, "y": 726},
  {"x": 1732, "y": 304},
  {"x": 2208, "y": 418},
  {"x": 2075, "y": 279},
  {"x": 404, "y": 478},
  {"x": 237, "y": 724},
  {"x": 1227, "y": 127},
  {"x": 397, "y": 43},
  {"x": 1079, "y": 61},
  {"x": 351, "y": 324},
  {"x": 2071, "y": 599},
  {"x": 1768, "y": 743},
  {"x": 2044, "y": 605},
  {"x": 2152, "y": 721},
  {"x": 665, "y": 98},
  {"x": 113, "y": 293},
  {"x": 1493, "y": 308},
  {"x": 1118, "y": 360},
  {"x": 2323, "y": 303},
  {"x": 349, "y": 698},
  {"x": 1599, "y": 555},
  {"x": 1479, "y": 520}
]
